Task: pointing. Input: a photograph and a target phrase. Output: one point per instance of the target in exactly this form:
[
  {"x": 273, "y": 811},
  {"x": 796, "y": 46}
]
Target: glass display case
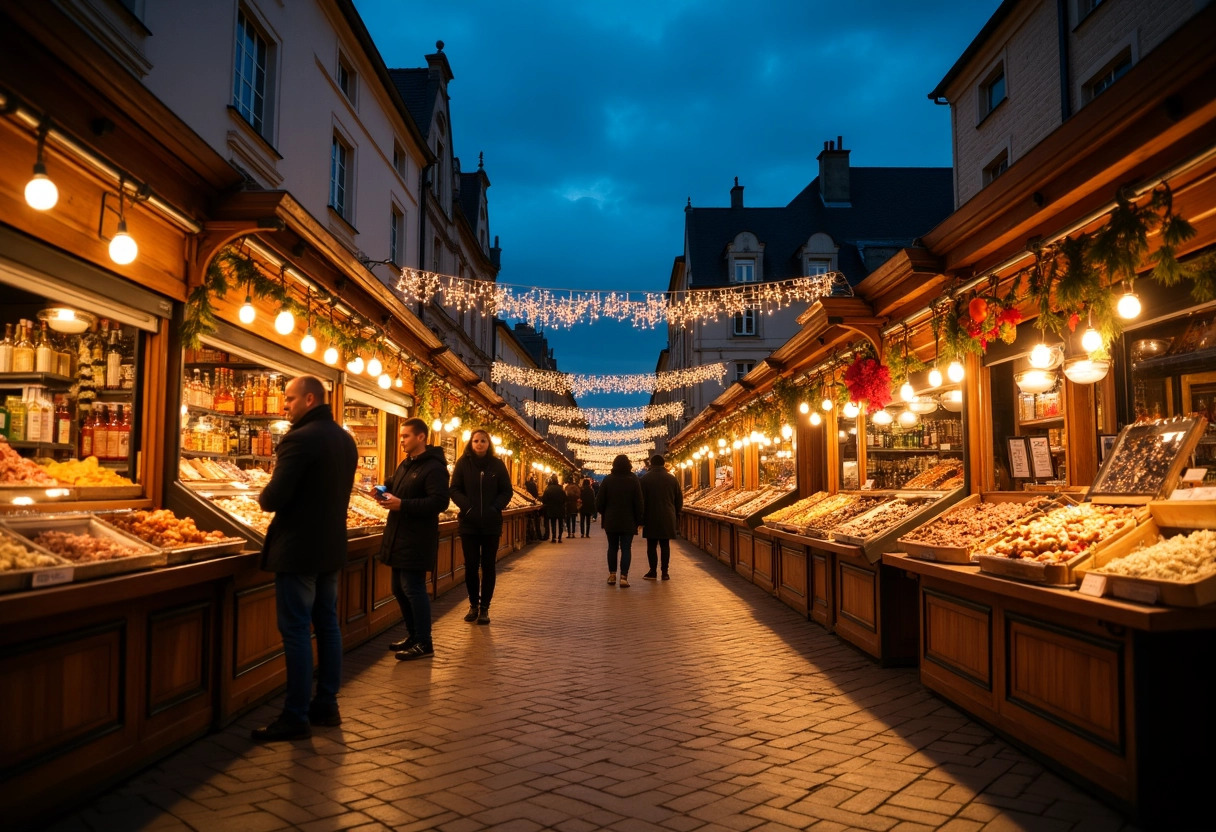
[
  {"x": 846, "y": 436},
  {"x": 921, "y": 452}
]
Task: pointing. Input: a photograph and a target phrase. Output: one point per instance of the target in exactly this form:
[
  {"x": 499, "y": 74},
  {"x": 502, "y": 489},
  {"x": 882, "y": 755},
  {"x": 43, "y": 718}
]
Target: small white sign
[
  {"x": 1141, "y": 593},
  {"x": 1194, "y": 474},
  {"x": 868, "y": 486},
  {"x": 50, "y": 577},
  {"x": 1093, "y": 584}
]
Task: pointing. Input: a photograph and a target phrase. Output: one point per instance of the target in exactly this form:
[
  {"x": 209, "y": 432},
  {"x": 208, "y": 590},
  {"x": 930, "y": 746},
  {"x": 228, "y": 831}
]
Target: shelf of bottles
[
  {"x": 230, "y": 410},
  {"x": 1043, "y": 413},
  {"x": 363, "y": 422},
  {"x": 898, "y": 452},
  {"x": 69, "y": 395}
]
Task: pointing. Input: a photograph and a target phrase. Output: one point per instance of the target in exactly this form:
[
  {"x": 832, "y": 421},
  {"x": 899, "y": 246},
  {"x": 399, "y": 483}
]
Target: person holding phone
[{"x": 481, "y": 488}]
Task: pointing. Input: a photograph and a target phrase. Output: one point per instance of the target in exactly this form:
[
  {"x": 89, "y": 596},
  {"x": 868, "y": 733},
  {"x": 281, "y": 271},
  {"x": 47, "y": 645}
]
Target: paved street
[{"x": 698, "y": 703}]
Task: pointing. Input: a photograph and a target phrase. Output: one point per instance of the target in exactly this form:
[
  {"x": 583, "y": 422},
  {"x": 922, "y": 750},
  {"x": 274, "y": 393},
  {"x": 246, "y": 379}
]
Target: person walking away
[
  {"x": 481, "y": 489},
  {"x": 534, "y": 521},
  {"x": 554, "y": 501},
  {"x": 586, "y": 507},
  {"x": 573, "y": 494},
  {"x": 305, "y": 547},
  {"x": 660, "y": 521},
  {"x": 416, "y": 495},
  {"x": 621, "y": 509}
]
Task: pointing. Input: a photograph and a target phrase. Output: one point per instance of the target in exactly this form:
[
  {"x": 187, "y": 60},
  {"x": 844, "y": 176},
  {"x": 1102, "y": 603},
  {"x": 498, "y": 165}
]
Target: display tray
[
  {"x": 942, "y": 553},
  {"x": 1050, "y": 574},
  {"x": 148, "y": 556},
  {"x": 185, "y": 553},
  {"x": 108, "y": 492},
  {"x": 822, "y": 527},
  {"x": 1184, "y": 514},
  {"x": 1182, "y": 593},
  {"x": 13, "y": 580},
  {"x": 785, "y": 527},
  {"x": 883, "y": 518},
  {"x": 1146, "y": 460}
]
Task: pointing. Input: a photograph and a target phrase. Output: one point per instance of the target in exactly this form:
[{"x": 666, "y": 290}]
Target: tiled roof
[{"x": 419, "y": 90}]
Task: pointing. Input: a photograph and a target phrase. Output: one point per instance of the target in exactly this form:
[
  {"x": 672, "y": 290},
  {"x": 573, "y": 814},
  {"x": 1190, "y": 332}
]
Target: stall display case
[
  {"x": 1159, "y": 564},
  {"x": 927, "y": 454},
  {"x": 957, "y": 535}
]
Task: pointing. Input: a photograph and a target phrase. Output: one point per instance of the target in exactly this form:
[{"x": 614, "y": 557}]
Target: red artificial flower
[
  {"x": 1073, "y": 320},
  {"x": 870, "y": 382}
]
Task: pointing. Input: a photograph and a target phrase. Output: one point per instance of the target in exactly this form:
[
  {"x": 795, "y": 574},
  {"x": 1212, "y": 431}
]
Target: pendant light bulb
[
  {"x": 123, "y": 249},
  {"x": 935, "y": 377},
  {"x": 1040, "y": 356},
  {"x": 385, "y": 381},
  {"x": 398, "y": 381},
  {"x": 907, "y": 418},
  {"x": 284, "y": 322},
  {"x": 308, "y": 344},
  {"x": 851, "y": 410},
  {"x": 355, "y": 365},
  {"x": 907, "y": 392},
  {"x": 816, "y": 420},
  {"x": 955, "y": 371},
  {"x": 437, "y": 425},
  {"x": 881, "y": 417},
  {"x": 804, "y": 408},
  {"x": 331, "y": 355},
  {"x": 1091, "y": 340},
  {"x": 374, "y": 368},
  {"x": 40, "y": 192},
  {"x": 247, "y": 313},
  {"x": 1128, "y": 306},
  {"x": 826, "y": 404}
]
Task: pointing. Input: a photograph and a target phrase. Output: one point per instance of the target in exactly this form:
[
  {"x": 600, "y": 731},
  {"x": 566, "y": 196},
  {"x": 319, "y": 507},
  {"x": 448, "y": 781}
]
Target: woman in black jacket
[
  {"x": 586, "y": 507},
  {"x": 481, "y": 489},
  {"x": 620, "y": 506},
  {"x": 554, "y": 501}
]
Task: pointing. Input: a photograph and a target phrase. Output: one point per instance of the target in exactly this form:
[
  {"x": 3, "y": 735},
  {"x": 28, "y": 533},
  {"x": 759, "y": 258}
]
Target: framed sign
[
  {"x": 1040, "y": 457},
  {"x": 1106, "y": 443},
  {"x": 1019, "y": 457}
]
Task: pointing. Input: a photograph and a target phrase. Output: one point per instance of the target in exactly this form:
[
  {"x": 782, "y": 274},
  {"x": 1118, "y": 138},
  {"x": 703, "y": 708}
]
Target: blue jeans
[
  {"x": 414, "y": 598},
  {"x": 624, "y": 542},
  {"x": 300, "y": 599}
]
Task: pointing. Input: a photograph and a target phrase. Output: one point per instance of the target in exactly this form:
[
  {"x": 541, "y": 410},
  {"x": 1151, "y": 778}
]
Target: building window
[
  {"x": 1106, "y": 78},
  {"x": 396, "y": 235},
  {"x": 742, "y": 368},
  {"x": 745, "y": 271},
  {"x": 399, "y": 160},
  {"x": 346, "y": 78},
  {"x": 992, "y": 91},
  {"x": 814, "y": 267},
  {"x": 249, "y": 82},
  {"x": 996, "y": 167},
  {"x": 339, "y": 178},
  {"x": 745, "y": 322}
]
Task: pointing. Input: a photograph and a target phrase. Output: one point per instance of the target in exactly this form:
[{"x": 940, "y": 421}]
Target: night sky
[{"x": 599, "y": 120}]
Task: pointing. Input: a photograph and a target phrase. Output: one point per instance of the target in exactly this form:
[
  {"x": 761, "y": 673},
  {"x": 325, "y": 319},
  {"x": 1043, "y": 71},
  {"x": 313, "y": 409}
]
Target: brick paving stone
[{"x": 550, "y": 719}]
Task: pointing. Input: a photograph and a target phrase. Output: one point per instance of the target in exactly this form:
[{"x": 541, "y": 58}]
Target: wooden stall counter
[{"x": 1110, "y": 692}]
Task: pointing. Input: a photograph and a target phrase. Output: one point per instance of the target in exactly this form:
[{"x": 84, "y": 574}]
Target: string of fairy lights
[
  {"x": 601, "y": 451},
  {"x": 596, "y": 416},
  {"x": 604, "y": 437},
  {"x": 565, "y": 308},
  {"x": 581, "y": 385}
]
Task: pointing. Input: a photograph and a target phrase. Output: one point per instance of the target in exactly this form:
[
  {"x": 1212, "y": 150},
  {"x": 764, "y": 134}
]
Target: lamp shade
[
  {"x": 67, "y": 320},
  {"x": 1086, "y": 370},
  {"x": 1035, "y": 380}
]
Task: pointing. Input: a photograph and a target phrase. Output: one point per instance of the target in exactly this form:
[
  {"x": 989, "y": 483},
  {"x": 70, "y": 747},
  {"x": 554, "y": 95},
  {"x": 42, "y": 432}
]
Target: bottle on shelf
[
  {"x": 44, "y": 353},
  {"x": 126, "y": 366},
  {"x": 273, "y": 397},
  {"x": 33, "y": 417},
  {"x": 6, "y": 350},
  {"x": 114, "y": 434},
  {"x": 63, "y": 422},
  {"x": 234, "y": 440},
  {"x": 101, "y": 431},
  {"x": 113, "y": 360},
  {"x": 86, "y": 434},
  {"x": 23, "y": 351},
  {"x": 124, "y": 432},
  {"x": 224, "y": 402},
  {"x": 16, "y": 418}
]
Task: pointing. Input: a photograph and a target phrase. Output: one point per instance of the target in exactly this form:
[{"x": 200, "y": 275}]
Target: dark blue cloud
[{"x": 599, "y": 120}]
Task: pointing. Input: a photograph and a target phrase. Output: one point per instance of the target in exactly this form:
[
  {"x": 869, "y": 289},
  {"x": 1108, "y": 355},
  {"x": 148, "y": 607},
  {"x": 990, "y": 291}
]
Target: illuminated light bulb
[
  {"x": 721, "y": 443},
  {"x": 710, "y": 454},
  {"x": 437, "y": 425},
  {"x": 355, "y": 365},
  {"x": 1128, "y": 306},
  {"x": 398, "y": 381},
  {"x": 737, "y": 444},
  {"x": 464, "y": 437},
  {"x": 495, "y": 440},
  {"x": 851, "y": 410},
  {"x": 842, "y": 435},
  {"x": 826, "y": 404},
  {"x": 881, "y": 417},
  {"x": 786, "y": 431},
  {"x": 955, "y": 371},
  {"x": 456, "y": 421},
  {"x": 123, "y": 249},
  {"x": 247, "y": 313},
  {"x": 816, "y": 420},
  {"x": 308, "y": 344},
  {"x": 804, "y": 408},
  {"x": 284, "y": 322},
  {"x": 907, "y": 392},
  {"x": 331, "y": 355},
  {"x": 40, "y": 192},
  {"x": 747, "y": 440},
  {"x": 935, "y": 377},
  {"x": 907, "y": 418},
  {"x": 385, "y": 382},
  {"x": 374, "y": 367},
  {"x": 1040, "y": 356},
  {"x": 1091, "y": 340}
]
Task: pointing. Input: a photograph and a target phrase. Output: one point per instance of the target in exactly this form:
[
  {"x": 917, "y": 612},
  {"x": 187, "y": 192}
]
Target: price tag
[
  {"x": 1194, "y": 474},
  {"x": 945, "y": 446},
  {"x": 1094, "y": 585},
  {"x": 868, "y": 486},
  {"x": 50, "y": 577},
  {"x": 1140, "y": 593}
]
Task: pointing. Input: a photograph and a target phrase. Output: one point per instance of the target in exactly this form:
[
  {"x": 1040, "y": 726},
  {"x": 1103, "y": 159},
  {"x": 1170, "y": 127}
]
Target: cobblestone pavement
[{"x": 697, "y": 703}]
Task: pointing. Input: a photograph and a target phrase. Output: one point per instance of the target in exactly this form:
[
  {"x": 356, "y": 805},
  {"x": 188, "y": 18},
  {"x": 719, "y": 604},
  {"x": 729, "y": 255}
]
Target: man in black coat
[
  {"x": 663, "y": 499},
  {"x": 305, "y": 547},
  {"x": 417, "y": 495}
]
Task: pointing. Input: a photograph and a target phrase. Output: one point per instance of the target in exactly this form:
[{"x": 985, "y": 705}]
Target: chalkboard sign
[{"x": 1040, "y": 457}]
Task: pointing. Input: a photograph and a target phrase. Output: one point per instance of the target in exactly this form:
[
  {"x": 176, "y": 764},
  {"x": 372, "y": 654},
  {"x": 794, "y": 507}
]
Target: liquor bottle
[
  {"x": 86, "y": 435},
  {"x": 114, "y": 435},
  {"x": 223, "y": 394},
  {"x": 113, "y": 360},
  {"x": 101, "y": 432},
  {"x": 207, "y": 399},
  {"x": 63, "y": 358},
  {"x": 259, "y": 397},
  {"x": 234, "y": 440},
  {"x": 124, "y": 432},
  {"x": 3, "y": 419},
  {"x": 44, "y": 354},
  {"x": 238, "y": 396},
  {"x": 16, "y": 418},
  {"x": 23, "y": 351},
  {"x": 33, "y": 418},
  {"x": 243, "y": 439},
  {"x": 6, "y": 350},
  {"x": 274, "y": 398},
  {"x": 126, "y": 366}
]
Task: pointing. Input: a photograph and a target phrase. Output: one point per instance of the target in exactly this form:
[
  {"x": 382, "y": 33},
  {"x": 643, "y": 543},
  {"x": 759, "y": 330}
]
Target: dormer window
[
  {"x": 745, "y": 271},
  {"x": 745, "y": 259}
]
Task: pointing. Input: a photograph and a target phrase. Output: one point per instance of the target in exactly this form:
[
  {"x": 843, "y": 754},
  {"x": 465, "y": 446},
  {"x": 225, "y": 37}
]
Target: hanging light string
[
  {"x": 582, "y": 385},
  {"x": 596, "y": 416},
  {"x": 599, "y": 451},
  {"x": 564, "y": 308},
  {"x": 604, "y": 437}
]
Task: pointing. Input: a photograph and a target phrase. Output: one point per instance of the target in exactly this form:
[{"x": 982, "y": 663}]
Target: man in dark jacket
[
  {"x": 663, "y": 501},
  {"x": 417, "y": 495},
  {"x": 305, "y": 547}
]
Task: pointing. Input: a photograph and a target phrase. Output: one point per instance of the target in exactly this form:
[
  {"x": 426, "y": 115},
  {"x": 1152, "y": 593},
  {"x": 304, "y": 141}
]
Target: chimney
[
  {"x": 736, "y": 195},
  {"x": 834, "y": 173}
]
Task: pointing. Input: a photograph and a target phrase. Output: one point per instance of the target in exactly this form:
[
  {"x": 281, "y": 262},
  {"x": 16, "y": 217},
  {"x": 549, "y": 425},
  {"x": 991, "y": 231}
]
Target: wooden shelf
[
  {"x": 872, "y": 450},
  {"x": 45, "y": 446},
  {"x": 215, "y": 455},
  {"x": 51, "y": 380},
  {"x": 1046, "y": 420},
  {"x": 206, "y": 411}
]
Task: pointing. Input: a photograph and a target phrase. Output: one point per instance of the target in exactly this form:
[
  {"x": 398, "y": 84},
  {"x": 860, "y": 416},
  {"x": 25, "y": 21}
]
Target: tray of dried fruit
[
  {"x": 959, "y": 533},
  {"x": 201, "y": 473},
  {"x": 179, "y": 537},
  {"x": 904, "y": 510},
  {"x": 91, "y": 480},
  {"x": 94, "y": 549},
  {"x": 1158, "y": 565},
  {"x": 1147, "y": 460},
  {"x": 791, "y": 518},
  {"x": 752, "y": 511},
  {"x": 21, "y": 560},
  {"x": 853, "y": 505},
  {"x": 243, "y": 508},
  {"x": 1048, "y": 547}
]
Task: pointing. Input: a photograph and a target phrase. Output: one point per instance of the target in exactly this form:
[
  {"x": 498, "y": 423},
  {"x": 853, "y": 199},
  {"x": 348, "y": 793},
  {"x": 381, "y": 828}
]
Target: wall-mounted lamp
[
  {"x": 123, "y": 249},
  {"x": 40, "y": 192}
]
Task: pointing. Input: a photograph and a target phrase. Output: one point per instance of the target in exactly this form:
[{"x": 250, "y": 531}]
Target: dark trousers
[
  {"x": 554, "y": 525},
  {"x": 414, "y": 597},
  {"x": 480, "y": 552},
  {"x": 624, "y": 542},
  {"x": 300, "y": 600},
  {"x": 570, "y": 524},
  {"x": 584, "y": 524},
  {"x": 653, "y": 556},
  {"x": 534, "y": 527}
]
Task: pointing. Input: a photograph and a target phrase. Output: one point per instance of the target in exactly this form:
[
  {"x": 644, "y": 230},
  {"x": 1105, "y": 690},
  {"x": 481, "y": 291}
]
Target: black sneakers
[
  {"x": 483, "y": 617},
  {"x": 666, "y": 577},
  {"x": 649, "y": 576},
  {"x": 416, "y": 651},
  {"x": 280, "y": 730},
  {"x": 401, "y": 645},
  {"x": 471, "y": 615},
  {"x": 324, "y": 717}
]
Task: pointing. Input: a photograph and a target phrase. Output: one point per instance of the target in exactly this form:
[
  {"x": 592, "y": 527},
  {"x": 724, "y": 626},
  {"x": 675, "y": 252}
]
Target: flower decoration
[
  {"x": 974, "y": 320},
  {"x": 868, "y": 383}
]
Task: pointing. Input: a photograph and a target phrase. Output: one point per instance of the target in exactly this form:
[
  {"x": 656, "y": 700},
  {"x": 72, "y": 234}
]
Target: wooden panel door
[
  {"x": 792, "y": 588},
  {"x": 744, "y": 553}
]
